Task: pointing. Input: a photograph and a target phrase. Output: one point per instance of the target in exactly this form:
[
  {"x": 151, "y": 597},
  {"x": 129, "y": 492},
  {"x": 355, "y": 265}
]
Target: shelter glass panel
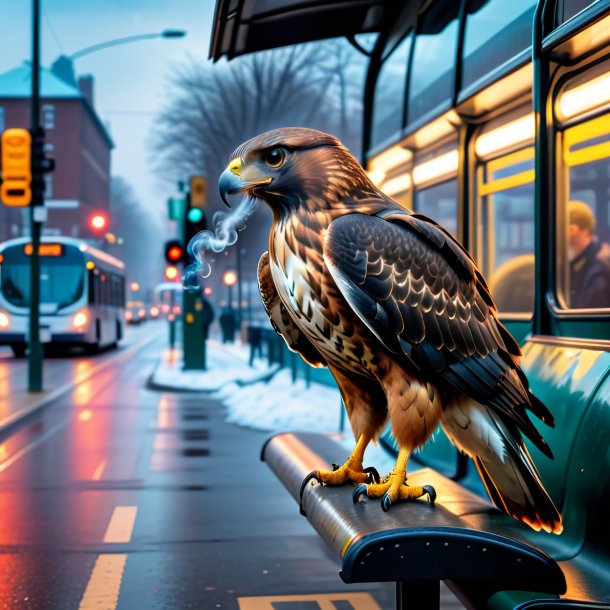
[
  {"x": 569, "y": 8},
  {"x": 439, "y": 202},
  {"x": 433, "y": 65},
  {"x": 505, "y": 230},
  {"x": 496, "y": 31},
  {"x": 584, "y": 221},
  {"x": 388, "y": 104}
]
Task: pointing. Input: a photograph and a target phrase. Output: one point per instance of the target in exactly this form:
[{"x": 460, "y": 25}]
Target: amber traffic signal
[
  {"x": 16, "y": 167},
  {"x": 171, "y": 272}
]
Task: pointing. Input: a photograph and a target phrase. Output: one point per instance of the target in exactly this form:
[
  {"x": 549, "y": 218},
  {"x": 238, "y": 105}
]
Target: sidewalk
[{"x": 262, "y": 397}]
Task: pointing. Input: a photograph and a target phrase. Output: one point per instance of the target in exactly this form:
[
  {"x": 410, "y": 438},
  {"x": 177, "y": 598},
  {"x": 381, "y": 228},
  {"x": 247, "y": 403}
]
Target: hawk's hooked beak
[{"x": 231, "y": 180}]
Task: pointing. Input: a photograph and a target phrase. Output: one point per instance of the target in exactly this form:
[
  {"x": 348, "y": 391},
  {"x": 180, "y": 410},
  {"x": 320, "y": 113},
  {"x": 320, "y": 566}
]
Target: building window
[
  {"x": 48, "y": 187},
  {"x": 2, "y": 122},
  {"x": 505, "y": 229},
  {"x": 49, "y": 148},
  {"x": 48, "y": 116}
]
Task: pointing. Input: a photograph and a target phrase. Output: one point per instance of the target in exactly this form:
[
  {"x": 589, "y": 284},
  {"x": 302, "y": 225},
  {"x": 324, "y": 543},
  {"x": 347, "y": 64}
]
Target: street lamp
[
  {"x": 126, "y": 40},
  {"x": 230, "y": 279},
  {"x": 63, "y": 67}
]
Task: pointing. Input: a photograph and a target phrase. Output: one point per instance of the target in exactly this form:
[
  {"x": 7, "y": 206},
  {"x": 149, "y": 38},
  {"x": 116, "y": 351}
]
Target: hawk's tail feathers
[{"x": 515, "y": 487}]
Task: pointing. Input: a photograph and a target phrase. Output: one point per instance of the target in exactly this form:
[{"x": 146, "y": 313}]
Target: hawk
[{"x": 399, "y": 312}]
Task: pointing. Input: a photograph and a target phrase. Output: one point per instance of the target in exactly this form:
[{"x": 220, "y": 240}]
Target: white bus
[{"x": 82, "y": 294}]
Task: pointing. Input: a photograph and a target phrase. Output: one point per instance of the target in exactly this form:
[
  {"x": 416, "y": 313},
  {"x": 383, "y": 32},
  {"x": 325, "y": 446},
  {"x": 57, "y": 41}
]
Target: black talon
[
  {"x": 373, "y": 475},
  {"x": 312, "y": 475},
  {"x": 359, "y": 491},
  {"x": 335, "y": 467},
  {"x": 431, "y": 493},
  {"x": 386, "y": 502}
]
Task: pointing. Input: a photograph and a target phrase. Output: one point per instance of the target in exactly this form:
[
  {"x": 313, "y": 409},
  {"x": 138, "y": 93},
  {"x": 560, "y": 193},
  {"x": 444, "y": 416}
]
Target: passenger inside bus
[{"x": 589, "y": 260}]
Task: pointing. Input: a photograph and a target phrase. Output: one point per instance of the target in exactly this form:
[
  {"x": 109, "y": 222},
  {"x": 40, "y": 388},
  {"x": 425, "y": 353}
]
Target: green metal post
[
  {"x": 194, "y": 330},
  {"x": 35, "y": 347}
]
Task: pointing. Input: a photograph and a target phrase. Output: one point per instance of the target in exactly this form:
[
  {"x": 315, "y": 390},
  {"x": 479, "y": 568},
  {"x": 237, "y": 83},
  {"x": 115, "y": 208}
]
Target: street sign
[
  {"x": 199, "y": 191},
  {"x": 175, "y": 208}
]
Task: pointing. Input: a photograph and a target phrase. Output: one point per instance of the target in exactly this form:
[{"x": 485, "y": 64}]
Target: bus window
[
  {"x": 584, "y": 273},
  {"x": 505, "y": 229},
  {"x": 433, "y": 65},
  {"x": 61, "y": 277},
  {"x": 390, "y": 93},
  {"x": 439, "y": 202},
  {"x": 496, "y": 31}
]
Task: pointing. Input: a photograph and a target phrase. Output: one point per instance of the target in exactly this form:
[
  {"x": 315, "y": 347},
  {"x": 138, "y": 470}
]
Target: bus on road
[{"x": 82, "y": 294}]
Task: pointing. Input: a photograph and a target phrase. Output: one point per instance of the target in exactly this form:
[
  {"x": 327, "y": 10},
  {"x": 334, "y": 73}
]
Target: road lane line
[
  {"x": 104, "y": 586},
  {"x": 99, "y": 471},
  {"x": 27, "y": 448},
  {"x": 102, "y": 592},
  {"x": 121, "y": 524}
]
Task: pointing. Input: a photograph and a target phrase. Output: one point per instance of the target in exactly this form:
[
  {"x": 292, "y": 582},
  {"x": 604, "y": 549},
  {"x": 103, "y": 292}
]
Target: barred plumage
[{"x": 399, "y": 312}]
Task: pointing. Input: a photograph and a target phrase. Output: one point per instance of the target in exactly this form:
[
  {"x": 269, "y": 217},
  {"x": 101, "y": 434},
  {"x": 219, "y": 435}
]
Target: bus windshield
[{"x": 62, "y": 275}]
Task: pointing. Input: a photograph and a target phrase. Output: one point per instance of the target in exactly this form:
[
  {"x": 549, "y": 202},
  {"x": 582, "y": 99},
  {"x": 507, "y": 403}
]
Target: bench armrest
[{"x": 413, "y": 541}]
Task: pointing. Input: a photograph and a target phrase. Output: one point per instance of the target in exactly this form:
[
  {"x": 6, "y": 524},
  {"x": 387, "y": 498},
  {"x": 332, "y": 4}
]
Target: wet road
[{"x": 120, "y": 496}]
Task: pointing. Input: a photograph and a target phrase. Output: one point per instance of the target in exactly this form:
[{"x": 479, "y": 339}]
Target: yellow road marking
[
  {"x": 102, "y": 592},
  {"x": 325, "y": 601},
  {"x": 104, "y": 586},
  {"x": 121, "y": 524},
  {"x": 99, "y": 471}
]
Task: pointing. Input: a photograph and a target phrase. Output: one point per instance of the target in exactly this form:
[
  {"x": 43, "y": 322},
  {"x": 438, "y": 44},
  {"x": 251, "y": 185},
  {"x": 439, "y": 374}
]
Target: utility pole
[{"x": 37, "y": 215}]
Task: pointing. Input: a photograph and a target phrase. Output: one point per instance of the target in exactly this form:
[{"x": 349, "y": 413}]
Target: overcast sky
[{"x": 130, "y": 80}]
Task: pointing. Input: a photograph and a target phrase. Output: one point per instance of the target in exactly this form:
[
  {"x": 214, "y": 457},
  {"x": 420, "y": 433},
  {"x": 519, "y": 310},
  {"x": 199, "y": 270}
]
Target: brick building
[{"x": 77, "y": 140}]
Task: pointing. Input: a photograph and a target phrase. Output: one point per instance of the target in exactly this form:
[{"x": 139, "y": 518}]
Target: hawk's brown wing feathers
[
  {"x": 281, "y": 320},
  {"x": 413, "y": 285}
]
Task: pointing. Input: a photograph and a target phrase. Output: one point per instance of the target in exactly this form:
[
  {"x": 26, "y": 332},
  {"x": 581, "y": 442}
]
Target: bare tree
[
  {"x": 140, "y": 235},
  {"x": 216, "y": 107}
]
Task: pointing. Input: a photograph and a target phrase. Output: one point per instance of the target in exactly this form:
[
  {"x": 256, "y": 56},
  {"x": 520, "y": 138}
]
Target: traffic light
[
  {"x": 41, "y": 164},
  {"x": 98, "y": 222},
  {"x": 171, "y": 272},
  {"x": 174, "y": 251},
  {"x": 16, "y": 187},
  {"x": 194, "y": 220}
]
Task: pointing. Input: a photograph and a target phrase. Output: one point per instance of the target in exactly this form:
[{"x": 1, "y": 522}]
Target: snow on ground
[
  {"x": 225, "y": 366},
  {"x": 263, "y": 397}
]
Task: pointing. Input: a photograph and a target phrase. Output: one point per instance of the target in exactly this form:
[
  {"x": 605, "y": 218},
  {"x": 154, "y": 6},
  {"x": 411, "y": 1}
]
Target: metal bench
[{"x": 484, "y": 557}]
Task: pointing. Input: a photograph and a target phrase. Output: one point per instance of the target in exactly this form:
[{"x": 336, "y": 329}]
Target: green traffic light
[{"x": 194, "y": 215}]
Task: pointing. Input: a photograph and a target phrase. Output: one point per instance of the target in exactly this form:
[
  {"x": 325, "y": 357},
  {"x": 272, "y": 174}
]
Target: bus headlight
[
  {"x": 5, "y": 321},
  {"x": 80, "y": 319}
]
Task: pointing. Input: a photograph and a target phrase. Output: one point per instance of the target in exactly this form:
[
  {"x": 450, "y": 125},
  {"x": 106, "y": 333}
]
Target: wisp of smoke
[{"x": 226, "y": 226}]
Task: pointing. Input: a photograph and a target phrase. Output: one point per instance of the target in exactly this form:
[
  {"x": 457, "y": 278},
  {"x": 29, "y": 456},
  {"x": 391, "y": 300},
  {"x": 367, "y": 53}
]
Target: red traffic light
[
  {"x": 98, "y": 222},
  {"x": 174, "y": 252}
]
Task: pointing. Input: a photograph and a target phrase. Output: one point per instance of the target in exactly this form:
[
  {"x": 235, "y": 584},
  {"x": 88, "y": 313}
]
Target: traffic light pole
[{"x": 35, "y": 347}]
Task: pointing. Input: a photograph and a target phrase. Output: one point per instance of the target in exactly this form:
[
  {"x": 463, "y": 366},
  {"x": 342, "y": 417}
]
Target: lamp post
[
  {"x": 125, "y": 40},
  {"x": 230, "y": 279}
]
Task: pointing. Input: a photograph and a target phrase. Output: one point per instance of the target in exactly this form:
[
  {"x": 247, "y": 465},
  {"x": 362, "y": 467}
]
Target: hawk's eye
[{"x": 274, "y": 157}]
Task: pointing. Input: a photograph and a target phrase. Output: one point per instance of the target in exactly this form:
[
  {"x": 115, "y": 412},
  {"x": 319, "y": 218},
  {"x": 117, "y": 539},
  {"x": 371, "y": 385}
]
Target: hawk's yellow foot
[
  {"x": 394, "y": 487},
  {"x": 352, "y": 470}
]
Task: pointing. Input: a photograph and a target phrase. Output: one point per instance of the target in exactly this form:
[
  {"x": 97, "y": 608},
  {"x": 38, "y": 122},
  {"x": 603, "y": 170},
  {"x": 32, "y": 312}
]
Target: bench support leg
[{"x": 422, "y": 595}]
